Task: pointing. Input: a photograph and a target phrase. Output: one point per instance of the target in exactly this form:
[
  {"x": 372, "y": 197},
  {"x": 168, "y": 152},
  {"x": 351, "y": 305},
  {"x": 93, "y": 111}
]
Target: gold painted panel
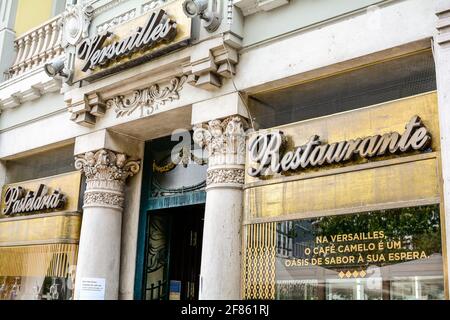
[
  {"x": 49, "y": 229},
  {"x": 52, "y": 260},
  {"x": 369, "y": 121},
  {"x": 389, "y": 184},
  {"x": 175, "y": 12},
  {"x": 68, "y": 183},
  {"x": 259, "y": 254}
]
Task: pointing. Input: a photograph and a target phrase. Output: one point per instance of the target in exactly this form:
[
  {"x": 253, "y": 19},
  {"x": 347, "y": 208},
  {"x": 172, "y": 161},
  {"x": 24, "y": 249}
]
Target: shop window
[
  {"x": 378, "y": 83},
  {"x": 380, "y": 255},
  {"x": 43, "y": 164},
  {"x": 38, "y": 272}
]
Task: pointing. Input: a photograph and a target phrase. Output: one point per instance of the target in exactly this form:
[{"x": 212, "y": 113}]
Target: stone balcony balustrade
[{"x": 36, "y": 47}]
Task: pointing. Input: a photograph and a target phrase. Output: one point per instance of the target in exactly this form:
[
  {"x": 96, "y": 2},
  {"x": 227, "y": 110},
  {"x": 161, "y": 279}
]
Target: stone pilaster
[
  {"x": 100, "y": 241},
  {"x": 442, "y": 62},
  {"x": 221, "y": 250}
]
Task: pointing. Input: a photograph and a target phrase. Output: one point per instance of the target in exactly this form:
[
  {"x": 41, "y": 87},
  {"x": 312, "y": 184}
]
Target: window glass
[
  {"x": 355, "y": 89},
  {"x": 390, "y": 254},
  {"x": 40, "y": 165}
]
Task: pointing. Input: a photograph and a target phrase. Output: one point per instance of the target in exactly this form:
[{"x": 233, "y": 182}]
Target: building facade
[{"x": 224, "y": 149}]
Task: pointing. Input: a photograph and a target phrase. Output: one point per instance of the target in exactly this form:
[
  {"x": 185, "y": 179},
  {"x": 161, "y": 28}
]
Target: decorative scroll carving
[{"x": 148, "y": 99}]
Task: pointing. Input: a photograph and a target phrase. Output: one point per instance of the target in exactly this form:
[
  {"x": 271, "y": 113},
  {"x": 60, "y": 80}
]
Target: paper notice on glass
[{"x": 92, "y": 289}]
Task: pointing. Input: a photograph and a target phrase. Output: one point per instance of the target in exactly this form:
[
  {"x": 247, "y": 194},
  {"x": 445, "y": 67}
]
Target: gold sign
[
  {"x": 266, "y": 159},
  {"x": 132, "y": 43},
  {"x": 58, "y": 193}
]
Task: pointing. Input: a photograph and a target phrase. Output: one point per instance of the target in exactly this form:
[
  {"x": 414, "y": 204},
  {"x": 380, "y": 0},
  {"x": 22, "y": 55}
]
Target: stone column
[
  {"x": 99, "y": 251},
  {"x": 2, "y": 173},
  {"x": 7, "y": 35},
  {"x": 221, "y": 250}
]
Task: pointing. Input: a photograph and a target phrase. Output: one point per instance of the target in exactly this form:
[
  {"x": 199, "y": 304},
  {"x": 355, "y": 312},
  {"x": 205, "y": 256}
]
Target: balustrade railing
[{"x": 37, "y": 47}]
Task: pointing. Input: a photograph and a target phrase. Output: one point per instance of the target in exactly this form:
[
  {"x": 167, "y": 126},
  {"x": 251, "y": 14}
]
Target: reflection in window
[
  {"x": 38, "y": 272},
  {"x": 389, "y": 254}
]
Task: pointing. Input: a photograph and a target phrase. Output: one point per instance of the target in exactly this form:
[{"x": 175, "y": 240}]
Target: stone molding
[
  {"x": 101, "y": 198},
  {"x": 26, "y": 87},
  {"x": 442, "y": 37},
  {"x": 106, "y": 172},
  {"x": 213, "y": 61},
  {"x": 225, "y": 176},
  {"x": 224, "y": 141},
  {"x": 86, "y": 111},
  {"x": 249, "y": 7}
]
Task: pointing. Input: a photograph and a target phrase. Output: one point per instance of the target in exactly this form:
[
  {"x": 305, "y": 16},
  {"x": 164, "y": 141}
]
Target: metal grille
[{"x": 259, "y": 261}]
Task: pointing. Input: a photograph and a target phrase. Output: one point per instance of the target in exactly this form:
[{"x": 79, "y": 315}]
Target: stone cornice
[
  {"x": 27, "y": 87},
  {"x": 443, "y": 24}
]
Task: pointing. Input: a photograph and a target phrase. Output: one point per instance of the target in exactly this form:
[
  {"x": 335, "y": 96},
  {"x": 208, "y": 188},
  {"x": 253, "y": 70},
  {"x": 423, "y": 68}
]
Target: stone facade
[{"x": 202, "y": 85}]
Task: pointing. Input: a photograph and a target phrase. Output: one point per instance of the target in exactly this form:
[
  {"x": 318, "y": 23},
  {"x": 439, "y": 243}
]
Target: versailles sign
[
  {"x": 133, "y": 42},
  {"x": 159, "y": 27},
  {"x": 265, "y": 149}
]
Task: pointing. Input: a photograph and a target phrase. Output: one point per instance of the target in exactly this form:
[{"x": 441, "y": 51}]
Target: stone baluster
[
  {"x": 26, "y": 52},
  {"x": 33, "y": 45},
  {"x": 19, "y": 44},
  {"x": 47, "y": 32},
  {"x": 40, "y": 44},
  {"x": 53, "y": 40}
]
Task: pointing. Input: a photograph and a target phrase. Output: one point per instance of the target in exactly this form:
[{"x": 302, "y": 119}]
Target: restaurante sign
[{"x": 265, "y": 149}]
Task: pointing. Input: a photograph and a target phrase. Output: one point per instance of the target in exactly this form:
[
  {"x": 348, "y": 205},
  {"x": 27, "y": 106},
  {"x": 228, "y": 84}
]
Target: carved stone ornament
[
  {"x": 106, "y": 165},
  {"x": 223, "y": 137},
  {"x": 105, "y": 198},
  {"x": 230, "y": 175},
  {"x": 148, "y": 99},
  {"x": 106, "y": 172},
  {"x": 224, "y": 141},
  {"x": 75, "y": 24}
]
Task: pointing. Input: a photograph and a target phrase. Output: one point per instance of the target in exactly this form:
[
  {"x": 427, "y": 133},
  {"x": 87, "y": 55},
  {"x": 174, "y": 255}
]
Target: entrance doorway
[{"x": 174, "y": 253}]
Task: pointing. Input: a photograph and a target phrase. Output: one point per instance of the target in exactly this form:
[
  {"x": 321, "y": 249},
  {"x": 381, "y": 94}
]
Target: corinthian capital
[
  {"x": 223, "y": 139},
  {"x": 106, "y": 172},
  {"x": 225, "y": 142},
  {"x": 106, "y": 165}
]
